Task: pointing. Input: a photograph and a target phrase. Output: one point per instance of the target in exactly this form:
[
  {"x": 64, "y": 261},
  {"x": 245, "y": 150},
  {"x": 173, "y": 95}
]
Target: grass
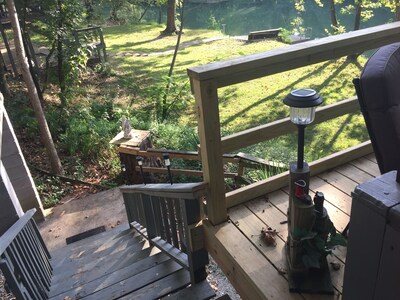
[
  {"x": 243, "y": 105},
  {"x": 139, "y": 60}
]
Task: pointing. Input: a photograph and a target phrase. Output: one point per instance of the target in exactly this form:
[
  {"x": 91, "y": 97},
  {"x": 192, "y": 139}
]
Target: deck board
[{"x": 250, "y": 264}]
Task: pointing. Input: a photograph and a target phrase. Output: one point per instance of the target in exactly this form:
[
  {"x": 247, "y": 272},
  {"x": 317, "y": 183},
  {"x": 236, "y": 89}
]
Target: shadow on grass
[
  {"x": 333, "y": 75},
  {"x": 261, "y": 101}
]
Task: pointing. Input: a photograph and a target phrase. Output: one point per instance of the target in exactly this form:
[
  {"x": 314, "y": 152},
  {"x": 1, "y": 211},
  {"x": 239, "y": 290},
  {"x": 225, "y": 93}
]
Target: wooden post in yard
[{"x": 206, "y": 96}]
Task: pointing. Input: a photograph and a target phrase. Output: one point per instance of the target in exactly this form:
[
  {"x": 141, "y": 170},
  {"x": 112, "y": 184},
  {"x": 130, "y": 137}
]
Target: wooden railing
[
  {"x": 25, "y": 260},
  {"x": 207, "y": 79},
  {"x": 169, "y": 216},
  {"x": 241, "y": 160}
]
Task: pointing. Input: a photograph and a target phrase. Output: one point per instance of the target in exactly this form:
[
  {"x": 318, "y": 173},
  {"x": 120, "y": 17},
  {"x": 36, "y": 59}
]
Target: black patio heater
[{"x": 301, "y": 213}]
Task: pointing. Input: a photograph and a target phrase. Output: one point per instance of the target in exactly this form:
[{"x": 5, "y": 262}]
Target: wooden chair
[{"x": 92, "y": 38}]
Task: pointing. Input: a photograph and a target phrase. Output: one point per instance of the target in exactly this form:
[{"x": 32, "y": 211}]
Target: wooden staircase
[{"x": 117, "y": 264}]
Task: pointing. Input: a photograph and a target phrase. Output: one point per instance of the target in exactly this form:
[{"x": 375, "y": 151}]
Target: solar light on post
[
  {"x": 167, "y": 163},
  {"x": 302, "y": 103},
  {"x": 139, "y": 160}
]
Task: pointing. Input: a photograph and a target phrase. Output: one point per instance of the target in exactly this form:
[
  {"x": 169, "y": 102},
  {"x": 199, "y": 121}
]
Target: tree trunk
[
  {"x": 89, "y": 11},
  {"x": 171, "y": 26},
  {"x": 357, "y": 17},
  {"x": 60, "y": 57},
  {"x": 165, "y": 106},
  {"x": 45, "y": 134},
  {"x": 4, "y": 88},
  {"x": 332, "y": 10},
  {"x": 397, "y": 9},
  {"x": 159, "y": 14}
]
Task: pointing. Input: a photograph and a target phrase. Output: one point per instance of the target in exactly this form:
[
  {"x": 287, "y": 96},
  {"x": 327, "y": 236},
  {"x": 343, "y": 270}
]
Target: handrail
[
  {"x": 177, "y": 190},
  {"x": 250, "y": 67},
  {"x": 7, "y": 238},
  {"x": 284, "y": 126},
  {"x": 207, "y": 79}
]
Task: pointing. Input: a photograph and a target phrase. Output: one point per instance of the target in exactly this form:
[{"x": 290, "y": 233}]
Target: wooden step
[{"x": 198, "y": 291}]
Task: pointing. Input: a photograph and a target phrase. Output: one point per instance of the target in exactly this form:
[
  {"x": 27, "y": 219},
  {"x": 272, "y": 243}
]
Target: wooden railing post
[
  {"x": 206, "y": 96},
  {"x": 197, "y": 254}
]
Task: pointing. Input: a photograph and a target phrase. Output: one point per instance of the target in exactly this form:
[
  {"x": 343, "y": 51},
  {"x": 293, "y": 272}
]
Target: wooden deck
[
  {"x": 119, "y": 265},
  {"x": 258, "y": 271}
]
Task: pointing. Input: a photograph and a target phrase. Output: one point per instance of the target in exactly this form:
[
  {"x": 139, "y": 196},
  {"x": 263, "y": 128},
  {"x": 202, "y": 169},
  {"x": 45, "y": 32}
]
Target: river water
[{"x": 239, "y": 17}]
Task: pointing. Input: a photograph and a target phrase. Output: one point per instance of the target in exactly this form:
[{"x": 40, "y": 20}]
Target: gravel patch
[{"x": 218, "y": 281}]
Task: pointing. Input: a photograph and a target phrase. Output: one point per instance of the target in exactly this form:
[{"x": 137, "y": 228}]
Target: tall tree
[
  {"x": 332, "y": 13},
  {"x": 171, "y": 16},
  {"x": 357, "y": 15},
  {"x": 32, "y": 92}
]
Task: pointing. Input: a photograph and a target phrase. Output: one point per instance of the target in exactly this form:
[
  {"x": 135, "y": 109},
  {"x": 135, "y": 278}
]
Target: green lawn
[{"x": 136, "y": 56}]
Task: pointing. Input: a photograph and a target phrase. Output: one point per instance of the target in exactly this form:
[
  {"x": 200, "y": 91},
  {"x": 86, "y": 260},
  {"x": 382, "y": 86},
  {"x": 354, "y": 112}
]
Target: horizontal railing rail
[
  {"x": 207, "y": 79},
  {"x": 281, "y": 127},
  {"x": 169, "y": 216}
]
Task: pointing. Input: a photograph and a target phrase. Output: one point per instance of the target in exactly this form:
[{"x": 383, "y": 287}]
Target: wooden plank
[
  {"x": 149, "y": 216},
  {"x": 337, "y": 197},
  {"x": 41, "y": 250},
  {"x": 85, "y": 286},
  {"x": 98, "y": 243},
  {"x": 250, "y": 225},
  {"x": 171, "y": 251},
  {"x": 30, "y": 263},
  {"x": 165, "y": 220},
  {"x": 367, "y": 166},
  {"x": 155, "y": 202},
  {"x": 13, "y": 255},
  {"x": 176, "y": 190},
  {"x": 257, "y": 189},
  {"x": 284, "y": 126},
  {"x": 18, "y": 290},
  {"x": 40, "y": 265},
  {"x": 189, "y": 155},
  {"x": 257, "y": 65},
  {"x": 339, "y": 181},
  {"x": 161, "y": 287},
  {"x": 354, "y": 173},
  {"x": 209, "y": 126},
  {"x": 246, "y": 268},
  {"x": 180, "y": 171},
  {"x": 135, "y": 282},
  {"x": 166, "y": 247},
  {"x": 172, "y": 222},
  {"x": 267, "y": 213},
  {"x": 92, "y": 263},
  {"x": 339, "y": 158},
  {"x": 256, "y": 160},
  {"x": 81, "y": 256},
  {"x": 198, "y": 291},
  {"x": 276, "y": 182},
  {"x": 179, "y": 222}
]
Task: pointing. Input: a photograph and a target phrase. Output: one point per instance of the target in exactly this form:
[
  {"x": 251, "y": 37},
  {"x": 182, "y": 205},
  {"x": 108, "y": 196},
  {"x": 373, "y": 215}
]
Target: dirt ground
[{"x": 78, "y": 214}]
